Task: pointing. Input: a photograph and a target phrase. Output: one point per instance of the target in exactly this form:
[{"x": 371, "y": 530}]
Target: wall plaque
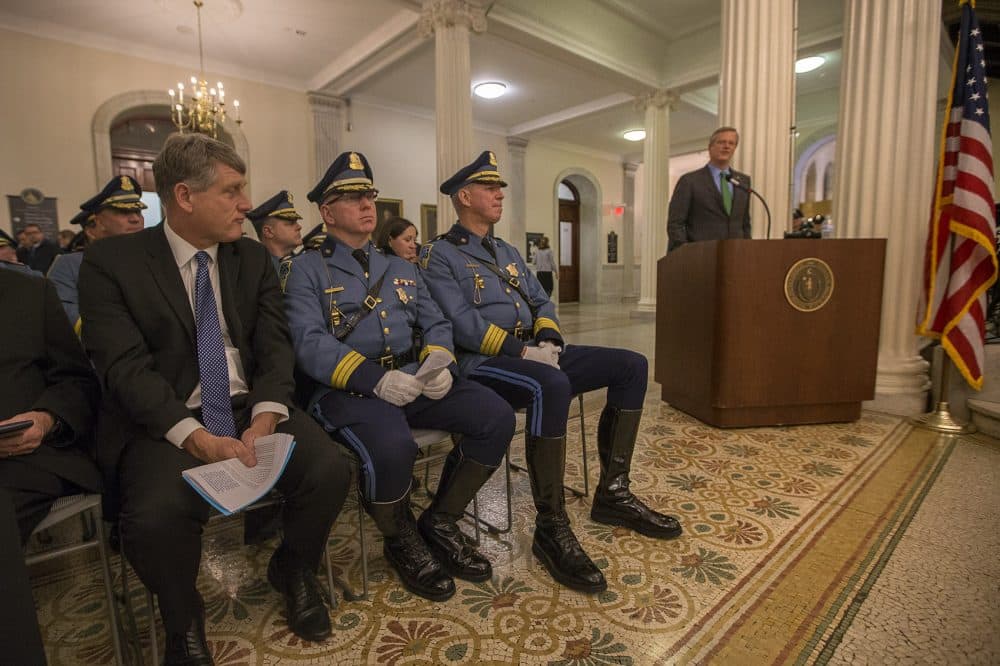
[{"x": 32, "y": 207}]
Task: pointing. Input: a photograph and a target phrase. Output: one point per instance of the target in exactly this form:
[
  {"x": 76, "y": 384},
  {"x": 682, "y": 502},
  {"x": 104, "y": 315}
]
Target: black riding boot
[
  {"x": 461, "y": 478},
  {"x": 418, "y": 569},
  {"x": 614, "y": 503},
  {"x": 555, "y": 544}
]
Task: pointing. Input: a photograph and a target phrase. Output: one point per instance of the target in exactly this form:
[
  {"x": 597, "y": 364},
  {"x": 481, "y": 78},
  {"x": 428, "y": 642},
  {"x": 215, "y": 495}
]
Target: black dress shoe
[
  {"x": 188, "y": 648},
  {"x": 305, "y": 603}
]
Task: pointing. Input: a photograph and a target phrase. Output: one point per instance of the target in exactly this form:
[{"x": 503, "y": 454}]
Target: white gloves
[
  {"x": 438, "y": 386},
  {"x": 544, "y": 344},
  {"x": 399, "y": 388},
  {"x": 548, "y": 354}
]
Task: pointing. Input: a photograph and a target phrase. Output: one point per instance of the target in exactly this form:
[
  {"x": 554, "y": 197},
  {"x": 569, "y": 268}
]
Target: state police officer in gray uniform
[
  {"x": 508, "y": 339},
  {"x": 278, "y": 228},
  {"x": 113, "y": 211},
  {"x": 355, "y": 315}
]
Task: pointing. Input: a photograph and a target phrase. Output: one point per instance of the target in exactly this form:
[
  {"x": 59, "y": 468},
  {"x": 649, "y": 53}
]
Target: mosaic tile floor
[{"x": 850, "y": 543}]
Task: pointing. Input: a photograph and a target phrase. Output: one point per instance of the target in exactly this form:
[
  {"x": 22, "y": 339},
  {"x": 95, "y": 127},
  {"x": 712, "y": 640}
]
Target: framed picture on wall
[
  {"x": 532, "y": 245},
  {"x": 388, "y": 209},
  {"x": 428, "y": 222}
]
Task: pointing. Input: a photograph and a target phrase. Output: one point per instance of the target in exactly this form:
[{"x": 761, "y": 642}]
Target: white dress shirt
[{"x": 184, "y": 254}]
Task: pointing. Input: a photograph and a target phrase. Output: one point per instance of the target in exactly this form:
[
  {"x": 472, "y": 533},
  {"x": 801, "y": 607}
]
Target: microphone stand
[{"x": 736, "y": 182}]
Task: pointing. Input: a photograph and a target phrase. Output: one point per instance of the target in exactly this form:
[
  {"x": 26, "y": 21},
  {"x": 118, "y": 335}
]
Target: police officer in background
[
  {"x": 114, "y": 211},
  {"x": 366, "y": 329},
  {"x": 278, "y": 228},
  {"x": 8, "y": 256},
  {"x": 508, "y": 339}
]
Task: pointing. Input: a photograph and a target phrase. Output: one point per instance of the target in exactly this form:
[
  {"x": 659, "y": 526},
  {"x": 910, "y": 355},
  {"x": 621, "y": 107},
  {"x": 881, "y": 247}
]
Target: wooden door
[
  {"x": 569, "y": 251},
  {"x": 135, "y": 164}
]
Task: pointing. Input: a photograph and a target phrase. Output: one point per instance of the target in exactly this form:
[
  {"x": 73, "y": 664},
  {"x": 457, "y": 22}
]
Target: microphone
[{"x": 736, "y": 182}]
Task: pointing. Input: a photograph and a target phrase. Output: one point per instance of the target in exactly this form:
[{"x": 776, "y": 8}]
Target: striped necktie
[{"x": 727, "y": 193}]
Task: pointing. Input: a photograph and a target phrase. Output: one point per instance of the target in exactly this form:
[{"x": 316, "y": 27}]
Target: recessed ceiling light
[
  {"x": 635, "y": 135},
  {"x": 490, "y": 89},
  {"x": 803, "y": 65}
]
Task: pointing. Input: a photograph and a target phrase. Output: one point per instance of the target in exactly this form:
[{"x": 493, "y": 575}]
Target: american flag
[{"x": 961, "y": 261}]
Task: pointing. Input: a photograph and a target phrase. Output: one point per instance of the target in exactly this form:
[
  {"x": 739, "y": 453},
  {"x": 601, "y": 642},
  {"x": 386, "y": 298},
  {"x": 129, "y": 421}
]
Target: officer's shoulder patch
[
  {"x": 284, "y": 270},
  {"x": 425, "y": 254}
]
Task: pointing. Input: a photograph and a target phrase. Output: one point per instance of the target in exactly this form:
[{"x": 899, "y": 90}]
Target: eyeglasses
[{"x": 355, "y": 197}]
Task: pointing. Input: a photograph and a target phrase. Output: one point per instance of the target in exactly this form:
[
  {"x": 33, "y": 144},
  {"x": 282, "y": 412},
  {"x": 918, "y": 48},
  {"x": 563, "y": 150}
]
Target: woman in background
[
  {"x": 398, "y": 236},
  {"x": 545, "y": 265}
]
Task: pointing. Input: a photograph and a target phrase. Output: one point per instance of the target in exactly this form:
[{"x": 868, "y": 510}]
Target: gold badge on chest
[
  {"x": 512, "y": 270},
  {"x": 403, "y": 296}
]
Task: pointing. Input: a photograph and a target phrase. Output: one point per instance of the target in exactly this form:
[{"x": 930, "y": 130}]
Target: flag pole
[{"x": 941, "y": 420}]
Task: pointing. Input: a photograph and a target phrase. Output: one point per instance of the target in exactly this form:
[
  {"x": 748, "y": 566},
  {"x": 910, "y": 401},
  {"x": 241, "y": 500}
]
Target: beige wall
[{"x": 45, "y": 131}]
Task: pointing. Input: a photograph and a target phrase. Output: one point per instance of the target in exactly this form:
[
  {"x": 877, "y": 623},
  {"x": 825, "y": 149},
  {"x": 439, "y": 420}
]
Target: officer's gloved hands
[
  {"x": 548, "y": 355},
  {"x": 398, "y": 388},
  {"x": 545, "y": 344},
  {"x": 438, "y": 387}
]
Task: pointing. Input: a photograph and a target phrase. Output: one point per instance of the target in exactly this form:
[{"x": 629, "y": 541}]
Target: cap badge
[
  {"x": 493, "y": 159},
  {"x": 355, "y": 162},
  {"x": 290, "y": 199},
  {"x": 127, "y": 184}
]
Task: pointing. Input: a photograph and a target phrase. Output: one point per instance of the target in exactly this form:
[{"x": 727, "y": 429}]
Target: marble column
[
  {"x": 515, "y": 202},
  {"x": 756, "y": 96},
  {"x": 328, "y": 122},
  {"x": 450, "y": 22},
  {"x": 627, "y": 255},
  {"x": 656, "y": 193},
  {"x": 885, "y": 151}
]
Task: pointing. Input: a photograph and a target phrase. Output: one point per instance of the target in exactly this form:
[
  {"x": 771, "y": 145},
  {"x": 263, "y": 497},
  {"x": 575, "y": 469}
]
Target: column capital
[
  {"x": 629, "y": 169},
  {"x": 517, "y": 144},
  {"x": 318, "y": 100},
  {"x": 446, "y": 13},
  {"x": 659, "y": 98}
]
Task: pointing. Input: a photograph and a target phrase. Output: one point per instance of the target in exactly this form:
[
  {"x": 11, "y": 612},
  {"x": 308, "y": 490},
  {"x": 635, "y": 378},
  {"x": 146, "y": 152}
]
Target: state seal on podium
[{"x": 809, "y": 284}]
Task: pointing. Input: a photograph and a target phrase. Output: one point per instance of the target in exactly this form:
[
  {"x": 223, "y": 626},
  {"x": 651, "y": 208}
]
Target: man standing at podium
[{"x": 706, "y": 204}]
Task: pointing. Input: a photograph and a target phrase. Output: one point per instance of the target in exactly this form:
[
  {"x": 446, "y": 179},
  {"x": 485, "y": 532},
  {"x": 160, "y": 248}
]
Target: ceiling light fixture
[
  {"x": 803, "y": 65},
  {"x": 490, "y": 89},
  {"x": 205, "y": 108},
  {"x": 635, "y": 135}
]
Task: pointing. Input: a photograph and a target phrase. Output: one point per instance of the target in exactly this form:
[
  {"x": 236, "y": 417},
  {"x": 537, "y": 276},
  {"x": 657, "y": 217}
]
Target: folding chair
[
  {"x": 88, "y": 507},
  {"x": 493, "y": 529}
]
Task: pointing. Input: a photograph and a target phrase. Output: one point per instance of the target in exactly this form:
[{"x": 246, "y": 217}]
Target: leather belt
[
  {"x": 522, "y": 334},
  {"x": 394, "y": 361}
]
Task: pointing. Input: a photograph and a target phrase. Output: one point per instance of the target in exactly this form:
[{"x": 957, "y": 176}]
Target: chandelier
[{"x": 204, "y": 108}]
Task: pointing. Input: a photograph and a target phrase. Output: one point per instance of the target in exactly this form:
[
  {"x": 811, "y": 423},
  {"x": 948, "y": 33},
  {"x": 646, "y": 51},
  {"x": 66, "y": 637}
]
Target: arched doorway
[
  {"x": 587, "y": 243},
  {"x": 569, "y": 243}
]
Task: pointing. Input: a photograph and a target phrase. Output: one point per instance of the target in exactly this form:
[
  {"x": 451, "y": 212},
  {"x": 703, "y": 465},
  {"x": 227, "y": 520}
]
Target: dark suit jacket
[
  {"x": 41, "y": 258},
  {"x": 139, "y": 329},
  {"x": 43, "y": 367},
  {"x": 697, "y": 214}
]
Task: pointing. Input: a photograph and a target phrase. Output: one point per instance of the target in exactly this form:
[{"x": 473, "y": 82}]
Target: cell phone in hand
[{"x": 14, "y": 427}]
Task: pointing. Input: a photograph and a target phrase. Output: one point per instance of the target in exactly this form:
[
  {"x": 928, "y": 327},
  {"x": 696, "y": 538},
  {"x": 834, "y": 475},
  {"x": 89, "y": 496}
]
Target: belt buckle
[
  {"x": 517, "y": 332},
  {"x": 370, "y": 302},
  {"x": 387, "y": 362},
  {"x": 514, "y": 282}
]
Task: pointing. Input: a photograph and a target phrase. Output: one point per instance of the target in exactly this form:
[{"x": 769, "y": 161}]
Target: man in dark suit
[
  {"x": 38, "y": 251},
  {"x": 45, "y": 378},
  {"x": 185, "y": 325},
  {"x": 705, "y": 204}
]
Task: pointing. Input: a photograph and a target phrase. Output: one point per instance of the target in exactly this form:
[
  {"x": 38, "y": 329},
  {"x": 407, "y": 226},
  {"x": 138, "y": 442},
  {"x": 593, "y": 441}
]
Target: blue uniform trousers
[
  {"x": 379, "y": 432},
  {"x": 546, "y": 391}
]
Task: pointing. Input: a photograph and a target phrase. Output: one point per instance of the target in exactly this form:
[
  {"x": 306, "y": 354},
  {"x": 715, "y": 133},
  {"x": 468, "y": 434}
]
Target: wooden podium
[{"x": 769, "y": 332}]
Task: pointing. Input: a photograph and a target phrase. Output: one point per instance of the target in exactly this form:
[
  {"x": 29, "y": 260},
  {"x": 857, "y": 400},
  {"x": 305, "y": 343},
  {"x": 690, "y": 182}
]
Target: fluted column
[
  {"x": 450, "y": 22},
  {"x": 884, "y": 159},
  {"x": 656, "y": 192},
  {"x": 515, "y": 201},
  {"x": 628, "y": 232},
  {"x": 756, "y": 96},
  {"x": 328, "y": 122}
]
